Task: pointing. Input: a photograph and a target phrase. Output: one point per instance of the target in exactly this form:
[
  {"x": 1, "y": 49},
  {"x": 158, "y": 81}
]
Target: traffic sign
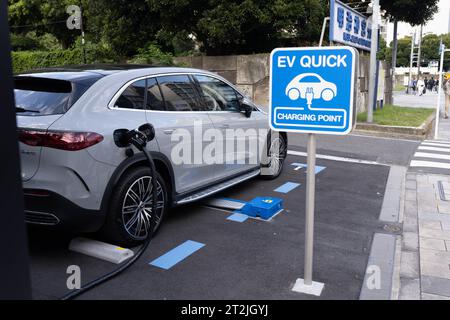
[{"x": 312, "y": 89}]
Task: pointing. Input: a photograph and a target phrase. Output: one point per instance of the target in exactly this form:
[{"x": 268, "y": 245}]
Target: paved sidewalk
[{"x": 425, "y": 256}]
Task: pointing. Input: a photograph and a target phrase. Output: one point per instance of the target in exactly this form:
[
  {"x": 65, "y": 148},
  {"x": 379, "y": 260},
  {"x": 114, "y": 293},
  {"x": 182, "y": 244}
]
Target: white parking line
[
  {"x": 434, "y": 149},
  {"x": 430, "y": 164},
  {"x": 334, "y": 158},
  {"x": 431, "y": 155}
]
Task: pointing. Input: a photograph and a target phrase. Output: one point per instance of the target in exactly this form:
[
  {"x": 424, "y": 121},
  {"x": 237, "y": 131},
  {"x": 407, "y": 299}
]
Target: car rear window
[{"x": 43, "y": 96}]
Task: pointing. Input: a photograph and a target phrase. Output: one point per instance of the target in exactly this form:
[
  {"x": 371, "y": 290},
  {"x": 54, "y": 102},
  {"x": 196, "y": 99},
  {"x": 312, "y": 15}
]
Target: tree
[
  {"x": 125, "y": 26},
  {"x": 414, "y": 12},
  {"x": 249, "y": 26},
  {"x": 430, "y": 50},
  {"x": 42, "y": 16}
]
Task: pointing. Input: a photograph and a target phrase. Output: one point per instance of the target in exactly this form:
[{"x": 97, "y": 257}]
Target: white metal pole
[
  {"x": 324, "y": 25},
  {"x": 310, "y": 199},
  {"x": 438, "y": 106},
  {"x": 373, "y": 59},
  {"x": 419, "y": 54}
]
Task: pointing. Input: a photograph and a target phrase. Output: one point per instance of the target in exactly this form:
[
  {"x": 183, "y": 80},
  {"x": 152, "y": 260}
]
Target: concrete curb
[
  {"x": 422, "y": 131},
  {"x": 385, "y": 252}
]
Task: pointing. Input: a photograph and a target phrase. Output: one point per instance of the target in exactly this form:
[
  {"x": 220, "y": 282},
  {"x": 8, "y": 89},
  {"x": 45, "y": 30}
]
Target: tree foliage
[
  {"x": 216, "y": 26},
  {"x": 414, "y": 12},
  {"x": 430, "y": 50}
]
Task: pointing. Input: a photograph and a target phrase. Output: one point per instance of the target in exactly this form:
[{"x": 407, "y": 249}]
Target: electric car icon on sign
[{"x": 306, "y": 83}]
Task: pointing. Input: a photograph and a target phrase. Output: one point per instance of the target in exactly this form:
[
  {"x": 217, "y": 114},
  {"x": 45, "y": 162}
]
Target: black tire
[
  {"x": 277, "y": 146},
  {"x": 115, "y": 229}
]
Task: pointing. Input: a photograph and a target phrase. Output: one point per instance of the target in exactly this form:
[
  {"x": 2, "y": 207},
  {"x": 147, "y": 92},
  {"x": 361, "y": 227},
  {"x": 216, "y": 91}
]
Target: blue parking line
[
  {"x": 288, "y": 186},
  {"x": 238, "y": 217},
  {"x": 317, "y": 170},
  {"x": 171, "y": 258}
]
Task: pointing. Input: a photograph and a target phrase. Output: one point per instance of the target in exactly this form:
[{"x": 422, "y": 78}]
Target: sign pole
[
  {"x": 304, "y": 85},
  {"x": 373, "y": 60},
  {"x": 310, "y": 198}
]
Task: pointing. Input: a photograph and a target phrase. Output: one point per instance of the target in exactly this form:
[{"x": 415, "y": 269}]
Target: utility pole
[
  {"x": 373, "y": 59},
  {"x": 411, "y": 59},
  {"x": 394, "y": 51},
  {"x": 83, "y": 42},
  {"x": 420, "y": 52}
]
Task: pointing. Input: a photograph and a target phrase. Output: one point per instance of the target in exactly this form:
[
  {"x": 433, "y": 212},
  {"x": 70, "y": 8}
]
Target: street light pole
[{"x": 373, "y": 59}]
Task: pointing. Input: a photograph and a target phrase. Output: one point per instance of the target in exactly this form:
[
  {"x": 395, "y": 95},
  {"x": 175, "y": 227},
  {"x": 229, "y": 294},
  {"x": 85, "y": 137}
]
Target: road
[
  {"x": 428, "y": 100},
  {"x": 253, "y": 259}
]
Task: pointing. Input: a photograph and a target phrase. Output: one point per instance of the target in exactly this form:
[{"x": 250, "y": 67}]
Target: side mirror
[
  {"x": 148, "y": 130},
  {"x": 245, "y": 109}
]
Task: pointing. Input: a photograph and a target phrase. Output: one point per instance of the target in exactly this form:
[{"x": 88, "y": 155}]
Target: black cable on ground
[{"x": 75, "y": 293}]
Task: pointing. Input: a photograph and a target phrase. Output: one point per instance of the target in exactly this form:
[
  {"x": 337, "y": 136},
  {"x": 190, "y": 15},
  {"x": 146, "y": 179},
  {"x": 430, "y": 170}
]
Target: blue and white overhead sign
[
  {"x": 312, "y": 89},
  {"x": 349, "y": 27}
]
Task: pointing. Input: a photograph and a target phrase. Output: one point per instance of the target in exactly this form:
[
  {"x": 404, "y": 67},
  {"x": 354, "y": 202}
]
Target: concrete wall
[{"x": 250, "y": 73}]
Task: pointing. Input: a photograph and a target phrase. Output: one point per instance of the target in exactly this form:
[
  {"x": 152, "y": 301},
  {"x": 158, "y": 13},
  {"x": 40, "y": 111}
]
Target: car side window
[
  {"x": 217, "y": 95},
  {"x": 179, "y": 93},
  {"x": 133, "y": 97},
  {"x": 154, "y": 99}
]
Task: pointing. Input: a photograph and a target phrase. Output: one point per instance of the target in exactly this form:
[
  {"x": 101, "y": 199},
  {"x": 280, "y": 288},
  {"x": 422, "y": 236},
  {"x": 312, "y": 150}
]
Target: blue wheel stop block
[{"x": 263, "y": 207}]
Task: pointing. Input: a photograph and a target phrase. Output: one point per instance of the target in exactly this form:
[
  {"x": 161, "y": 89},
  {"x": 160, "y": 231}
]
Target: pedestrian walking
[
  {"x": 420, "y": 86},
  {"x": 446, "y": 87},
  {"x": 431, "y": 84},
  {"x": 414, "y": 85}
]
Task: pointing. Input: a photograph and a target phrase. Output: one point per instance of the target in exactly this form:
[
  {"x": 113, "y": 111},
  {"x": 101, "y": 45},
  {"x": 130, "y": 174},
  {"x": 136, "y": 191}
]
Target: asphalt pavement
[
  {"x": 249, "y": 260},
  {"x": 383, "y": 150}
]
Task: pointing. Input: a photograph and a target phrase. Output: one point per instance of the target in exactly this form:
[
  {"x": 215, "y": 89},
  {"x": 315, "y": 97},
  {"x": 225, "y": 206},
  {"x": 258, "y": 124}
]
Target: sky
[{"x": 440, "y": 23}]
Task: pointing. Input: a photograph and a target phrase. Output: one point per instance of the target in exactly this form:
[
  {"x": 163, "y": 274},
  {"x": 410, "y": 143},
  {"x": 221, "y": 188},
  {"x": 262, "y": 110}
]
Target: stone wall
[{"x": 250, "y": 73}]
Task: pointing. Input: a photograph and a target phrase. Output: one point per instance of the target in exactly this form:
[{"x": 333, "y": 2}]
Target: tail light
[{"x": 70, "y": 141}]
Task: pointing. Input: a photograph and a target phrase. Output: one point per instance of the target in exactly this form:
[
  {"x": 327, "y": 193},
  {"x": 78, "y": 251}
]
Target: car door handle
[
  {"x": 168, "y": 131},
  {"x": 224, "y": 126}
]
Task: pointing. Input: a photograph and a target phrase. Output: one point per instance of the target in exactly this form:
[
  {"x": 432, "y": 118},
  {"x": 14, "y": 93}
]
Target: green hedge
[{"x": 28, "y": 60}]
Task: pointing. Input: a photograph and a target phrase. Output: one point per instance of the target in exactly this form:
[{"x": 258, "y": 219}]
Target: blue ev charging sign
[{"x": 312, "y": 89}]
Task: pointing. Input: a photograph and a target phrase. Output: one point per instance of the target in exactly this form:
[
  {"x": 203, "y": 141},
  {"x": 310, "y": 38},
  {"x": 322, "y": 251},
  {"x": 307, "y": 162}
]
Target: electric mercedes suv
[{"x": 76, "y": 178}]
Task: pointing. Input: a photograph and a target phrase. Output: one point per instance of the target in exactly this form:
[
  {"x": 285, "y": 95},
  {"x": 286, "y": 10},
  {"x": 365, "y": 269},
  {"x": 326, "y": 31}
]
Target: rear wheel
[{"x": 131, "y": 213}]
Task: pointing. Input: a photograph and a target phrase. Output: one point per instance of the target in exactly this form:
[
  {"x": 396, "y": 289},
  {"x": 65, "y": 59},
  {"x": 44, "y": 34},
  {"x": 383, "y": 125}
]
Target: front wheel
[
  {"x": 131, "y": 216},
  {"x": 276, "y": 154}
]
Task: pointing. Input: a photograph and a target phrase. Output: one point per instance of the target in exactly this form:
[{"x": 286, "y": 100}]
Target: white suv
[{"x": 75, "y": 177}]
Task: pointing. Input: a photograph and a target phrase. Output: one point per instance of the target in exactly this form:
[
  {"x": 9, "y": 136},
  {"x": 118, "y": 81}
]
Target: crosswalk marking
[
  {"x": 432, "y": 144},
  {"x": 437, "y": 141},
  {"x": 429, "y": 164},
  {"x": 434, "y": 149},
  {"x": 432, "y": 155}
]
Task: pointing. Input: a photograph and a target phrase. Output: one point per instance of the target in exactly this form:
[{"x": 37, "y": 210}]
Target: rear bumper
[{"x": 51, "y": 210}]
